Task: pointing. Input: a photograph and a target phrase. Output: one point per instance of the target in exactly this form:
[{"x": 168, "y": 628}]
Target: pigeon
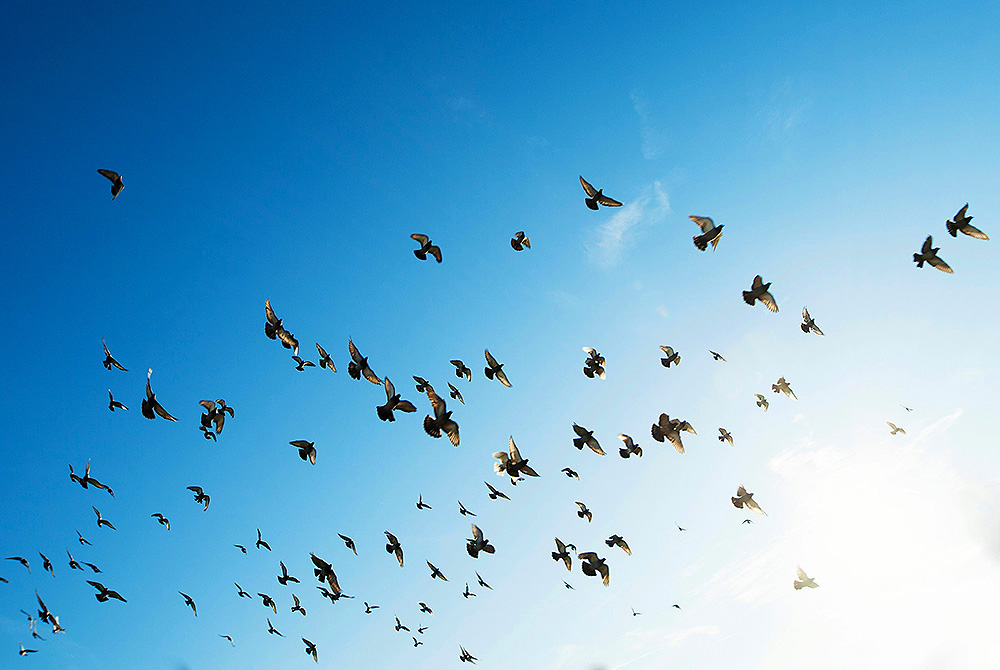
[
  {"x": 494, "y": 493},
  {"x": 21, "y": 560},
  {"x": 562, "y": 555},
  {"x": 467, "y": 593},
  {"x": 301, "y": 365},
  {"x": 762, "y": 401},
  {"x": 747, "y": 520},
  {"x": 676, "y": 606},
  {"x": 416, "y": 642},
  {"x": 596, "y": 197},
  {"x": 274, "y": 329},
  {"x": 743, "y": 498},
  {"x": 116, "y": 181},
  {"x": 426, "y": 247},
  {"x": 436, "y": 573},
  {"x": 189, "y": 602},
  {"x": 109, "y": 360},
  {"x": 392, "y": 402},
  {"x": 307, "y": 450},
  {"x": 82, "y": 539},
  {"x": 679, "y": 527},
  {"x": 215, "y": 414},
  {"x": 359, "y": 365},
  {"x": 272, "y": 630},
  {"x": 424, "y": 609},
  {"x": 104, "y": 593},
  {"x": 73, "y": 565},
  {"x": 671, "y": 429},
  {"x": 164, "y": 521},
  {"x": 228, "y": 638},
  {"x": 805, "y": 580},
  {"x": 568, "y": 586},
  {"x": 324, "y": 572},
  {"x": 268, "y": 602},
  {"x": 960, "y": 224},
  {"x": 114, "y": 404},
  {"x": 393, "y": 546},
  {"x": 400, "y": 626},
  {"x": 200, "y": 496},
  {"x": 908, "y": 409},
  {"x": 284, "y": 578},
  {"x": 478, "y": 543},
  {"x": 710, "y": 233},
  {"x": 240, "y": 592},
  {"x": 725, "y": 436},
  {"x": 584, "y": 512},
  {"x": 311, "y": 650},
  {"x": 672, "y": 357},
  {"x": 483, "y": 583},
  {"x": 592, "y": 564},
  {"x": 150, "y": 404},
  {"x": 494, "y": 369},
  {"x": 716, "y": 356},
  {"x": 586, "y": 437},
  {"x": 455, "y": 393},
  {"x": 370, "y": 608},
  {"x": 442, "y": 420},
  {"x": 594, "y": 365},
  {"x": 462, "y": 370},
  {"x": 895, "y": 428},
  {"x": 25, "y": 652},
  {"x": 463, "y": 511},
  {"x": 808, "y": 323},
  {"x": 241, "y": 548},
  {"x": 512, "y": 464},
  {"x": 422, "y": 384},
  {"x": 101, "y": 521},
  {"x": 618, "y": 540},
  {"x": 324, "y": 359},
  {"x": 759, "y": 291},
  {"x": 783, "y": 387},
  {"x": 929, "y": 254},
  {"x": 466, "y": 657},
  {"x": 261, "y": 542},
  {"x": 93, "y": 567},
  {"x": 630, "y": 446},
  {"x": 421, "y": 504},
  {"x": 520, "y": 241},
  {"x": 571, "y": 473}
]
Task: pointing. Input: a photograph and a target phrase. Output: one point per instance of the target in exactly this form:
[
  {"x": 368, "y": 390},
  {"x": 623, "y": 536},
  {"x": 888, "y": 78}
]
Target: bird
[
  {"x": 25, "y": 652},
  {"x": 101, "y": 521},
  {"x": 241, "y": 548},
  {"x": 208, "y": 434},
  {"x": 272, "y": 630},
  {"x": 467, "y": 593},
  {"x": 422, "y": 384},
  {"x": 92, "y": 566},
  {"x": 23, "y": 561},
  {"x": 808, "y": 323},
  {"x": 73, "y": 565},
  {"x": 568, "y": 585},
  {"x": 436, "y": 573},
  {"x": 676, "y": 606},
  {"x": 114, "y": 404},
  {"x": 307, "y": 450},
  {"x": 324, "y": 359},
  {"x": 619, "y": 541},
  {"x": 725, "y": 436},
  {"x": 494, "y": 493},
  {"x": 908, "y": 409},
  {"x": 596, "y": 197},
  {"x": 392, "y": 402},
  {"x": 569, "y": 472},
  {"x": 672, "y": 357},
  {"x": 164, "y": 521},
  {"x": 462, "y": 370},
  {"x": 324, "y": 572},
  {"x": 782, "y": 387},
  {"x": 929, "y": 254},
  {"x": 463, "y": 511},
  {"x": 240, "y": 592},
  {"x": 895, "y": 428},
  {"x": 743, "y": 498},
  {"x": 478, "y": 543},
  {"x": 117, "y": 184},
  {"x": 466, "y": 657},
  {"x": 261, "y": 542},
  {"x": 424, "y": 609},
  {"x": 483, "y": 583},
  {"x": 370, "y": 608},
  {"x": 630, "y": 446},
  {"x": 268, "y": 602},
  {"x": 512, "y": 464},
  {"x": 393, "y": 546},
  {"x": 400, "y": 626},
  {"x": 584, "y": 512},
  {"x": 594, "y": 365},
  {"x": 679, "y": 527},
  {"x": 494, "y": 369},
  {"x": 416, "y": 643},
  {"x": 275, "y": 330},
  {"x": 359, "y": 367},
  {"x": 562, "y": 555},
  {"x": 520, "y": 241},
  {"x": 284, "y": 578},
  {"x": 762, "y": 401},
  {"x": 104, "y": 593},
  {"x": 311, "y": 650},
  {"x": 805, "y": 580},
  {"x": 301, "y": 365},
  {"x": 150, "y": 404},
  {"x": 421, "y": 504},
  {"x": 759, "y": 291},
  {"x": 81, "y": 539},
  {"x": 200, "y": 496},
  {"x": 586, "y": 437},
  {"x": 189, "y": 602},
  {"x": 716, "y": 356},
  {"x": 710, "y": 233},
  {"x": 634, "y": 613},
  {"x": 671, "y": 429},
  {"x": 747, "y": 520},
  {"x": 592, "y": 564},
  {"x": 215, "y": 414},
  {"x": 455, "y": 393},
  {"x": 441, "y": 420},
  {"x": 960, "y": 224},
  {"x": 426, "y": 247},
  {"x": 228, "y": 638}
]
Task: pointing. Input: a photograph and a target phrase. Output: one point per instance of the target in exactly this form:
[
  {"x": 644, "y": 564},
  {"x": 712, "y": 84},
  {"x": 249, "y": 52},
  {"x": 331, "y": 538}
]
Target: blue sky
[{"x": 271, "y": 153}]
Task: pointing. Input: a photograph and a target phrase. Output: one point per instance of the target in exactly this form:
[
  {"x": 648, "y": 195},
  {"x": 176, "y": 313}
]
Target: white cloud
[{"x": 610, "y": 239}]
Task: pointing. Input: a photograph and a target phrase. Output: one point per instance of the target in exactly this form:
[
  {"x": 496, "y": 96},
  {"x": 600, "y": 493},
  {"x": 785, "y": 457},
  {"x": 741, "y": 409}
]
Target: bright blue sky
[{"x": 288, "y": 154}]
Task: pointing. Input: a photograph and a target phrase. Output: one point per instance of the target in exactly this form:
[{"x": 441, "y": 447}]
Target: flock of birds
[{"x": 439, "y": 422}]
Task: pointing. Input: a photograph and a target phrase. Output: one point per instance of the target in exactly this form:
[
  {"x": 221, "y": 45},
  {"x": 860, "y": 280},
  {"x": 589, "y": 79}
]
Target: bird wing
[
  {"x": 477, "y": 534},
  {"x": 587, "y": 188},
  {"x": 272, "y": 318},
  {"x": 515, "y": 455},
  {"x": 114, "y": 176},
  {"x": 769, "y": 302},
  {"x": 805, "y": 314},
  {"x": 435, "y": 251},
  {"x": 371, "y": 376},
  {"x": 706, "y": 224},
  {"x": 608, "y": 202},
  {"x": 490, "y": 360},
  {"x": 937, "y": 262},
  {"x": 629, "y": 444},
  {"x": 419, "y": 237},
  {"x": 926, "y": 248},
  {"x": 801, "y": 573},
  {"x": 164, "y": 414},
  {"x": 149, "y": 389},
  {"x": 972, "y": 231},
  {"x": 757, "y": 282},
  {"x": 355, "y": 354}
]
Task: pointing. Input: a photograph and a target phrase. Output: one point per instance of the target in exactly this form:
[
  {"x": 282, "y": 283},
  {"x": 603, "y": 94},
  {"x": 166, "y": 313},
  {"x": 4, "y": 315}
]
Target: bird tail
[
  {"x": 749, "y": 299},
  {"x": 952, "y": 228},
  {"x": 488, "y": 372},
  {"x": 578, "y": 442},
  {"x": 384, "y": 413},
  {"x": 919, "y": 260},
  {"x": 700, "y": 242}
]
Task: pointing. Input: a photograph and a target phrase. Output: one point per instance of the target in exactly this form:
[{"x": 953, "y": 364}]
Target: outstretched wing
[{"x": 587, "y": 188}]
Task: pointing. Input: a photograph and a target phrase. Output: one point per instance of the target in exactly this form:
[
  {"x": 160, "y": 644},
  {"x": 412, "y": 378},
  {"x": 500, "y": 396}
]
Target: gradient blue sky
[{"x": 288, "y": 153}]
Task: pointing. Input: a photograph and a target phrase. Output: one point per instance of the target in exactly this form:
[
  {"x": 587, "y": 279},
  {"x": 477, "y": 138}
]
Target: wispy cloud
[
  {"x": 654, "y": 138},
  {"x": 610, "y": 239},
  {"x": 783, "y": 108}
]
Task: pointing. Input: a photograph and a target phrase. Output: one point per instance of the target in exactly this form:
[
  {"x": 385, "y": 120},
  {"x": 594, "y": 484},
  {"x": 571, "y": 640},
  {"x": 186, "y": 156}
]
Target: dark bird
[
  {"x": 422, "y": 384},
  {"x": 586, "y": 437},
  {"x": 592, "y": 564},
  {"x": 104, "y": 593},
  {"x": 725, "y": 436},
  {"x": 284, "y": 577},
  {"x": 747, "y": 520},
  {"x": 421, "y": 504},
  {"x": 671, "y": 429},
  {"x": 25, "y": 652},
  {"x": 275, "y": 330},
  {"x": 467, "y": 593},
  {"x": 392, "y": 402},
  {"x": 359, "y": 365},
  {"x": 240, "y": 592},
  {"x": 494, "y": 493},
  {"x": 261, "y": 542},
  {"x": 462, "y": 370},
  {"x": 241, "y": 548},
  {"x": 228, "y": 638},
  {"x": 511, "y": 464},
  {"x": 483, "y": 583},
  {"x": 672, "y": 357},
  {"x": 82, "y": 539},
  {"x": 425, "y": 609},
  {"x": 562, "y": 555},
  {"x": 272, "y": 630},
  {"x": 594, "y": 365},
  {"x": 619, "y": 541},
  {"x": 200, "y": 496},
  {"x": 466, "y": 657},
  {"x": 716, "y": 356},
  {"x": 189, "y": 602},
  {"x": 442, "y": 420},
  {"x": 759, "y": 291},
  {"x": 596, "y": 197},
  {"x": 114, "y": 404},
  {"x": 455, "y": 393},
  {"x": 101, "y": 521},
  {"x": 808, "y": 323},
  {"x": 349, "y": 543},
  {"x": 634, "y": 613},
  {"x": 87, "y": 480},
  {"x": 400, "y": 626},
  {"x": 630, "y": 447},
  {"x": 746, "y": 499},
  {"x": 164, "y": 521},
  {"x": 463, "y": 511},
  {"x": 571, "y": 473},
  {"x": 73, "y": 565},
  {"x": 421, "y": 629},
  {"x": 710, "y": 233},
  {"x": 679, "y": 527},
  {"x": 436, "y": 573},
  {"x": 116, "y": 181},
  {"x": 324, "y": 572},
  {"x": 568, "y": 586},
  {"x": 494, "y": 369},
  {"x": 47, "y": 564},
  {"x": 676, "y": 606},
  {"x": 46, "y": 616},
  {"x": 208, "y": 434},
  {"x": 908, "y": 409},
  {"x": 92, "y": 566},
  {"x": 520, "y": 241},
  {"x": 426, "y": 247},
  {"x": 929, "y": 254},
  {"x": 301, "y": 365},
  {"x": 584, "y": 512},
  {"x": 150, "y": 404},
  {"x": 393, "y": 546},
  {"x": 215, "y": 414},
  {"x": 324, "y": 359},
  {"x": 21, "y": 560},
  {"x": 478, "y": 543},
  {"x": 370, "y": 608},
  {"x": 960, "y": 224},
  {"x": 311, "y": 650},
  {"x": 416, "y": 642},
  {"x": 762, "y": 401},
  {"x": 268, "y": 602},
  {"x": 307, "y": 450}
]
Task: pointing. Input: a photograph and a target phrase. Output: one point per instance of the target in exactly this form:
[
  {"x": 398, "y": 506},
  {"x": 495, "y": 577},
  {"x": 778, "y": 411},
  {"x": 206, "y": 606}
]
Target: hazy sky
[{"x": 289, "y": 152}]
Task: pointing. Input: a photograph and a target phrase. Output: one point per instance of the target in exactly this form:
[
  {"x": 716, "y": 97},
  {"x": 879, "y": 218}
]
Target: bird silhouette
[
  {"x": 746, "y": 499},
  {"x": 672, "y": 357},
  {"x": 109, "y": 360},
  {"x": 393, "y": 402},
  {"x": 804, "y": 580},
  {"x": 163, "y": 521},
  {"x": 584, "y": 512},
  {"x": 483, "y": 583},
  {"x": 494, "y": 493},
  {"x": 114, "y": 404},
  {"x": 441, "y": 421},
  {"x": 710, "y": 233},
  {"x": 421, "y": 504},
  {"x": 592, "y": 565},
  {"x": 520, "y": 241},
  {"x": 101, "y": 521},
  {"x": 562, "y": 555},
  {"x": 104, "y": 593},
  {"x": 394, "y": 547},
  {"x": 929, "y": 254},
  {"x": 512, "y": 464},
  {"x": 436, "y": 573},
  {"x": 151, "y": 407},
  {"x": 275, "y": 329},
  {"x": 307, "y": 450},
  {"x": 359, "y": 367},
  {"x": 261, "y": 542},
  {"x": 759, "y": 291},
  {"x": 630, "y": 447},
  {"x": 189, "y": 602},
  {"x": 200, "y": 496},
  {"x": 324, "y": 359},
  {"x": 426, "y": 247},
  {"x": 117, "y": 184},
  {"x": 586, "y": 438},
  {"x": 808, "y": 323},
  {"x": 596, "y": 197},
  {"x": 618, "y": 541},
  {"x": 494, "y": 369},
  {"x": 478, "y": 543},
  {"x": 284, "y": 577},
  {"x": 960, "y": 224},
  {"x": 462, "y": 370},
  {"x": 311, "y": 650}
]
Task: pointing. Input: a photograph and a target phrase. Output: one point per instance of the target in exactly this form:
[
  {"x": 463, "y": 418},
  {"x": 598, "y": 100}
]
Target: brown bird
[
  {"x": 442, "y": 420},
  {"x": 298, "y": 606},
  {"x": 584, "y": 512},
  {"x": 393, "y": 546},
  {"x": 421, "y": 504},
  {"x": 268, "y": 602},
  {"x": 73, "y": 565},
  {"x": 164, "y": 521},
  {"x": 25, "y": 652},
  {"x": 512, "y": 464},
  {"x": 23, "y": 561},
  {"x": 424, "y": 609},
  {"x": 272, "y": 630},
  {"x": 324, "y": 359},
  {"x": 275, "y": 330},
  {"x": 307, "y": 450},
  {"x": 93, "y": 567},
  {"x": 596, "y": 197},
  {"x": 101, "y": 521},
  {"x": 104, "y": 593},
  {"x": 594, "y": 365},
  {"x": 672, "y": 357},
  {"x": 478, "y": 543},
  {"x": 117, "y": 184},
  {"x": 455, "y": 393},
  {"x": 586, "y": 437},
  {"x": 808, "y": 323},
  {"x": 215, "y": 414},
  {"x": 284, "y": 577},
  {"x": 494, "y": 369},
  {"x": 725, "y": 436},
  {"x": 426, "y": 247},
  {"x": 929, "y": 254},
  {"x": 494, "y": 493},
  {"x": 392, "y": 402},
  {"x": 82, "y": 539},
  {"x": 520, "y": 241},
  {"x": 324, "y": 572},
  {"x": 200, "y": 496},
  {"x": 150, "y": 404},
  {"x": 109, "y": 360},
  {"x": 349, "y": 543},
  {"x": 359, "y": 365},
  {"x": 592, "y": 565},
  {"x": 561, "y": 554},
  {"x": 618, "y": 540},
  {"x": 422, "y": 384},
  {"x": 301, "y": 365},
  {"x": 630, "y": 447},
  {"x": 671, "y": 429},
  {"x": 436, "y": 573},
  {"x": 571, "y": 473},
  {"x": 710, "y": 233},
  {"x": 746, "y": 499},
  {"x": 261, "y": 542},
  {"x": 47, "y": 564},
  {"x": 759, "y": 291},
  {"x": 960, "y": 224},
  {"x": 462, "y": 370},
  {"x": 311, "y": 650},
  {"x": 189, "y": 602},
  {"x": 716, "y": 356},
  {"x": 114, "y": 404}
]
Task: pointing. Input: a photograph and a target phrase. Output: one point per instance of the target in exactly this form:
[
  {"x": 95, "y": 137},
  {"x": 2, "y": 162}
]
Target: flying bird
[
  {"x": 584, "y": 512},
  {"x": 462, "y": 370},
  {"x": 520, "y": 241},
  {"x": 895, "y": 428},
  {"x": 710, "y": 233},
  {"x": 324, "y": 572},
  {"x": 422, "y": 384},
  {"x": 324, "y": 359},
  {"x": 670, "y": 430},
  {"x": 307, "y": 450},
  {"x": 189, "y": 602},
  {"x": 163, "y": 521},
  {"x": 441, "y": 421},
  {"x": 494, "y": 493},
  {"x": 272, "y": 630},
  {"x": 463, "y": 511},
  {"x": 596, "y": 197},
  {"x": 725, "y": 436},
  {"x": 512, "y": 464},
  {"x": 571, "y": 473},
  {"x": 301, "y": 365},
  {"x": 960, "y": 224},
  {"x": 561, "y": 554},
  {"x": 359, "y": 365},
  {"x": 743, "y": 498},
  {"x": 478, "y": 543},
  {"x": 109, "y": 360},
  {"x": 716, "y": 356},
  {"x": 630, "y": 446},
  {"x": 679, "y": 527},
  {"x": 73, "y": 565},
  {"x": 261, "y": 542},
  {"x": 929, "y": 254},
  {"x": 392, "y": 402},
  {"x": 483, "y": 583},
  {"x": 416, "y": 642},
  {"x": 25, "y": 652},
  {"x": 114, "y": 404},
  {"x": 455, "y": 393},
  {"x": 759, "y": 291},
  {"x": 150, "y": 404},
  {"x": 240, "y": 592},
  {"x": 241, "y": 548},
  {"x": 424, "y": 609},
  {"x": 400, "y": 626},
  {"x": 494, "y": 369},
  {"x": 268, "y": 602},
  {"x": 228, "y": 638},
  {"x": 82, "y": 539},
  {"x": 805, "y": 580},
  {"x": 117, "y": 184},
  {"x": 594, "y": 365},
  {"x": 747, "y": 520},
  {"x": 467, "y": 593},
  {"x": 23, "y": 561},
  {"x": 592, "y": 564},
  {"x": 311, "y": 650},
  {"x": 568, "y": 586},
  {"x": 393, "y": 546},
  {"x": 672, "y": 357},
  {"x": 101, "y": 521},
  {"x": 808, "y": 323},
  {"x": 275, "y": 330},
  {"x": 436, "y": 573},
  {"x": 466, "y": 657},
  {"x": 762, "y": 401},
  {"x": 782, "y": 387},
  {"x": 619, "y": 541},
  {"x": 214, "y": 415},
  {"x": 284, "y": 577},
  {"x": 586, "y": 437},
  {"x": 426, "y": 247},
  {"x": 104, "y": 593},
  {"x": 370, "y": 608},
  {"x": 200, "y": 496}
]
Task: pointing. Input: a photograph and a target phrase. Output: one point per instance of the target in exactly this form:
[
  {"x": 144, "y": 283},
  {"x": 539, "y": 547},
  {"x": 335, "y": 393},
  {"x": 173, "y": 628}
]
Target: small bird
[
  {"x": 619, "y": 541},
  {"x": 562, "y": 555},
  {"x": 634, "y": 613},
  {"x": 759, "y": 291},
  {"x": 114, "y": 404},
  {"x": 275, "y": 330},
  {"x": 596, "y": 197},
  {"x": 416, "y": 642},
  {"x": 104, "y": 593},
  {"x": 370, "y": 608},
  {"x": 436, "y": 573},
  {"x": 710, "y": 233},
  {"x": 463, "y": 511},
  {"x": 421, "y": 504},
  {"x": 960, "y": 224},
  {"x": 208, "y": 434},
  {"x": 268, "y": 602},
  {"x": 929, "y": 254},
  {"x": 324, "y": 572},
  {"x": 393, "y": 402},
  {"x": 422, "y": 384},
  {"x": 272, "y": 630},
  {"x": 671, "y": 429},
  {"x": 21, "y": 560},
  {"x": 743, "y": 498},
  {"x": 676, "y": 606},
  {"x": 679, "y": 527},
  {"x": 150, "y": 404},
  {"x": 240, "y": 592},
  {"x": 584, "y": 512},
  {"x": 483, "y": 583},
  {"x": 466, "y": 657},
  {"x": 782, "y": 387},
  {"x": 568, "y": 586},
  {"x": 441, "y": 420},
  {"x": 117, "y": 184},
  {"x": 82, "y": 539},
  {"x": 512, "y": 464},
  {"x": 808, "y": 323},
  {"x": 895, "y": 428},
  {"x": 462, "y": 370},
  {"x": 324, "y": 359},
  {"x": 25, "y": 652},
  {"x": 594, "y": 365},
  {"x": 592, "y": 564},
  {"x": 805, "y": 580},
  {"x": 301, "y": 365},
  {"x": 478, "y": 543},
  {"x": 716, "y": 356},
  {"x": 284, "y": 578},
  {"x": 494, "y": 369},
  {"x": 359, "y": 367},
  {"x": 47, "y": 564},
  {"x": 762, "y": 401},
  {"x": 455, "y": 393},
  {"x": 261, "y": 542},
  {"x": 241, "y": 548},
  {"x": 311, "y": 650},
  {"x": 725, "y": 436},
  {"x": 73, "y": 565},
  {"x": 426, "y": 247},
  {"x": 189, "y": 602},
  {"x": 307, "y": 450},
  {"x": 672, "y": 357},
  {"x": 101, "y": 521},
  {"x": 400, "y": 626},
  {"x": 630, "y": 447},
  {"x": 421, "y": 629},
  {"x": 163, "y": 521},
  {"x": 228, "y": 638},
  {"x": 747, "y": 520},
  {"x": 520, "y": 241},
  {"x": 349, "y": 543},
  {"x": 586, "y": 437},
  {"x": 200, "y": 496},
  {"x": 494, "y": 493},
  {"x": 425, "y": 609},
  {"x": 393, "y": 546},
  {"x": 571, "y": 473},
  {"x": 215, "y": 415},
  {"x": 467, "y": 593},
  {"x": 908, "y": 409}
]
